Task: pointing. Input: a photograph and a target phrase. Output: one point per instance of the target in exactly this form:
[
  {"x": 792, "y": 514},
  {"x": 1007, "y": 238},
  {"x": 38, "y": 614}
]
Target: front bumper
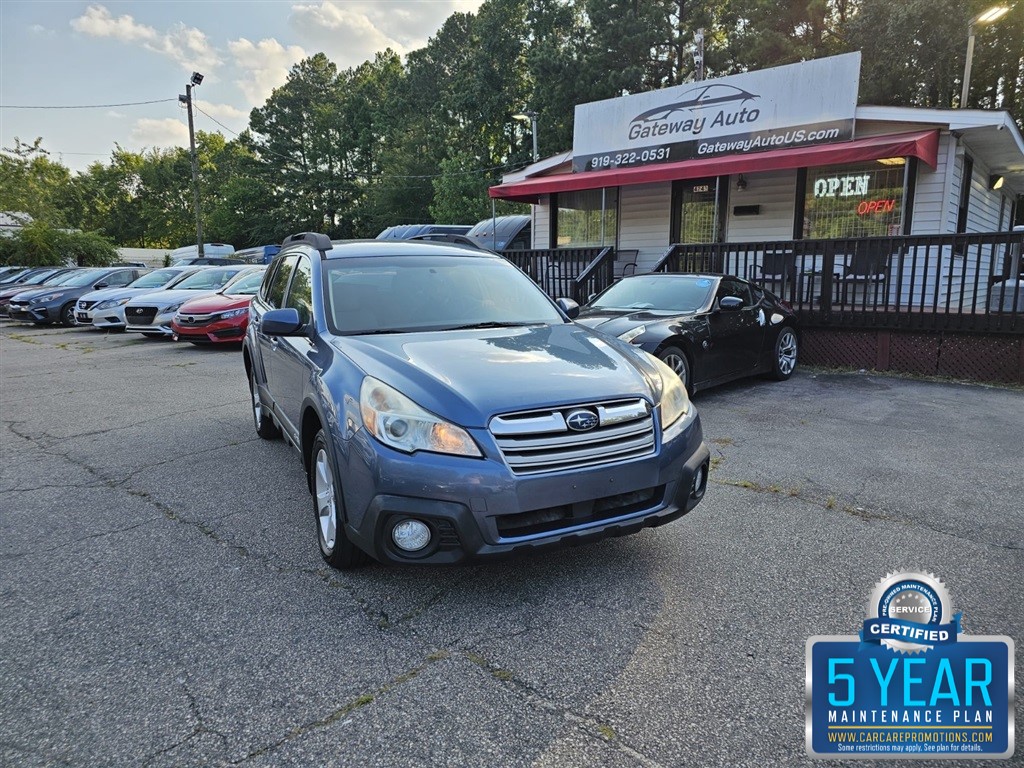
[
  {"x": 107, "y": 318},
  {"x": 230, "y": 331},
  {"x": 488, "y": 512},
  {"x": 161, "y": 325},
  {"x": 30, "y": 313}
]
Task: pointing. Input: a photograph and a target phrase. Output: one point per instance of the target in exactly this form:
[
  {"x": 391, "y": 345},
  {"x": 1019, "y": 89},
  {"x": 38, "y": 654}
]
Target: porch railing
[
  {"x": 574, "y": 273},
  {"x": 934, "y": 282}
]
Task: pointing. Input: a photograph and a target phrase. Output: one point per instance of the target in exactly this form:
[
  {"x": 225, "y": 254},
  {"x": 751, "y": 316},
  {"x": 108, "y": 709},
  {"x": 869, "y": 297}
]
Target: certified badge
[{"x": 910, "y": 612}]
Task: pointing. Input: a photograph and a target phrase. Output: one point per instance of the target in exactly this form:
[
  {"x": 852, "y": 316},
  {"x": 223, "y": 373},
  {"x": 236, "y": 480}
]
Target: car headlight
[
  {"x": 46, "y": 297},
  {"x": 674, "y": 403},
  {"x": 233, "y": 313},
  {"x": 397, "y": 421},
  {"x": 631, "y": 334},
  {"x": 172, "y": 308},
  {"x": 111, "y": 303}
]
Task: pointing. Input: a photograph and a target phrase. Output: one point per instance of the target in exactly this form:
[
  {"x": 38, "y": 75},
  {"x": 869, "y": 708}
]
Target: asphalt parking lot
[{"x": 163, "y": 601}]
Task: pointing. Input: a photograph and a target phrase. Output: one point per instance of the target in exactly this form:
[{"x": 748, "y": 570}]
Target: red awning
[{"x": 920, "y": 144}]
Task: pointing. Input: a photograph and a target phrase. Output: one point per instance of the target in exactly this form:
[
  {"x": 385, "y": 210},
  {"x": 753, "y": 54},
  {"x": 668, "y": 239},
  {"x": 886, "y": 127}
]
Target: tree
[
  {"x": 39, "y": 244},
  {"x": 30, "y": 182}
]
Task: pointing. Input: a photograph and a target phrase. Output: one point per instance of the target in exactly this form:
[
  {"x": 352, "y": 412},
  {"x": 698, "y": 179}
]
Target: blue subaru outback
[{"x": 446, "y": 409}]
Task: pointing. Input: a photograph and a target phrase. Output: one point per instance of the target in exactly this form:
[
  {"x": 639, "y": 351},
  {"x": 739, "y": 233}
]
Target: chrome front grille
[
  {"x": 194, "y": 320},
  {"x": 85, "y": 304},
  {"x": 543, "y": 440}
]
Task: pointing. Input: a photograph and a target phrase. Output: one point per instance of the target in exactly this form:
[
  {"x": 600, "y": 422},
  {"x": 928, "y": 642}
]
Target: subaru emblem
[{"x": 581, "y": 420}]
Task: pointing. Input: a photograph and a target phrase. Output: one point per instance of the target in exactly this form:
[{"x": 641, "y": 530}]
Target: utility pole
[{"x": 187, "y": 99}]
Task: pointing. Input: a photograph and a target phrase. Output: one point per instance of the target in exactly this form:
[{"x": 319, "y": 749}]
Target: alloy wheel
[
  {"x": 326, "y": 505},
  {"x": 787, "y": 352}
]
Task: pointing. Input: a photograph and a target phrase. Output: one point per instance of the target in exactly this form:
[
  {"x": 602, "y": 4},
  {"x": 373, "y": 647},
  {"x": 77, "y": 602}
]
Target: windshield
[
  {"x": 417, "y": 293},
  {"x": 13, "y": 277},
  {"x": 155, "y": 279},
  {"x": 43, "y": 277},
  {"x": 207, "y": 280},
  {"x": 245, "y": 285},
  {"x": 84, "y": 277},
  {"x": 670, "y": 294}
]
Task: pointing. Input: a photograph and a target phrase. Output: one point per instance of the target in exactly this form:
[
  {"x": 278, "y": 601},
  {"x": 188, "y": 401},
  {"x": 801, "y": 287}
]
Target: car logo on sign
[{"x": 581, "y": 420}]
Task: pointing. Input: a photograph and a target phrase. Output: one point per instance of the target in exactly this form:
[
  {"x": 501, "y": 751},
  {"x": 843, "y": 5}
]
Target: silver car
[{"x": 105, "y": 308}]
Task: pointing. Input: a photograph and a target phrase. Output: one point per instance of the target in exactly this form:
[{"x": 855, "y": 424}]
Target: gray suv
[{"x": 446, "y": 409}]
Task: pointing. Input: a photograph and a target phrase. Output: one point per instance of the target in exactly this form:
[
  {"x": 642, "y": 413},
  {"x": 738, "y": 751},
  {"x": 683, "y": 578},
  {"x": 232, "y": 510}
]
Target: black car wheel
[
  {"x": 335, "y": 546},
  {"x": 785, "y": 354},
  {"x": 676, "y": 359},
  {"x": 265, "y": 426},
  {"x": 67, "y": 314}
]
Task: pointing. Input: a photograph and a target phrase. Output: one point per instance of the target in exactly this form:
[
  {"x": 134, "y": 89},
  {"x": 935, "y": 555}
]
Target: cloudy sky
[{"x": 57, "y": 53}]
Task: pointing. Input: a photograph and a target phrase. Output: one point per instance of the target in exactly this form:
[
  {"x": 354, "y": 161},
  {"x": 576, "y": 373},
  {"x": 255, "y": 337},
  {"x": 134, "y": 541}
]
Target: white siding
[
  {"x": 542, "y": 223},
  {"x": 930, "y": 192},
  {"x": 775, "y": 192},
  {"x": 644, "y": 221}
]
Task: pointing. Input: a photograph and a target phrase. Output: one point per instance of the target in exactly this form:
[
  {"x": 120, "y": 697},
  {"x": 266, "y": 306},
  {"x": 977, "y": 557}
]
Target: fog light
[
  {"x": 700, "y": 481},
  {"x": 411, "y": 535}
]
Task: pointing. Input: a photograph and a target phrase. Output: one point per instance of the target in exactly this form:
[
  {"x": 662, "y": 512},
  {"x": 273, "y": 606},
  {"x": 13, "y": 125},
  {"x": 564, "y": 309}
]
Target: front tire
[
  {"x": 335, "y": 547},
  {"x": 264, "y": 423},
  {"x": 677, "y": 360},
  {"x": 67, "y": 314},
  {"x": 785, "y": 357}
]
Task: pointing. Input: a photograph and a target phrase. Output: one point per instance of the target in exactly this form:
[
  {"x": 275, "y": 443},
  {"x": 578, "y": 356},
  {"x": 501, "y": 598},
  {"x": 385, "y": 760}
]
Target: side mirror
[
  {"x": 281, "y": 322},
  {"x": 730, "y": 303},
  {"x": 100, "y": 284},
  {"x": 570, "y": 307}
]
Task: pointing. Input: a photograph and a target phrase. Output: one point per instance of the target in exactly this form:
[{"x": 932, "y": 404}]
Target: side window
[
  {"x": 300, "y": 295},
  {"x": 120, "y": 279},
  {"x": 274, "y": 288},
  {"x": 734, "y": 288}
]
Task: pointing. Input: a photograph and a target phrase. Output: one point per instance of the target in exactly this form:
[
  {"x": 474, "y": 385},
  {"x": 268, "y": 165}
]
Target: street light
[
  {"x": 531, "y": 116},
  {"x": 196, "y": 79},
  {"x": 994, "y": 13}
]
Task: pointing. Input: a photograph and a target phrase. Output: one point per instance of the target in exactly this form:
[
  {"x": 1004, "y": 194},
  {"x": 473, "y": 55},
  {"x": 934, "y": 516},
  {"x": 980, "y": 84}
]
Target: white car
[
  {"x": 152, "y": 313},
  {"x": 105, "y": 308}
]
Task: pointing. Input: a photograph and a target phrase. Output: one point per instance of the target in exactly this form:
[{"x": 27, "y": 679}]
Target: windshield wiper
[{"x": 493, "y": 324}]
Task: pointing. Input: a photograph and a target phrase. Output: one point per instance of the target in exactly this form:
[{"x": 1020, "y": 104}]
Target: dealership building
[{"x": 783, "y": 154}]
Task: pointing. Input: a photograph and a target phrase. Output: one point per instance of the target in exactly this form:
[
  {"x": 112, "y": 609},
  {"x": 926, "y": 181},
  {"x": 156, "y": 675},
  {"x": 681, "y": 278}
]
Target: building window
[
  {"x": 587, "y": 218},
  {"x": 965, "y": 193},
  {"x": 697, "y": 210},
  {"x": 859, "y": 200}
]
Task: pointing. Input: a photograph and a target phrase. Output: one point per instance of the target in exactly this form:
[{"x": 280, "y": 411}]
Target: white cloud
[
  {"x": 353, "y": 32},
  {"x": 97, "y": 21},
  {"x": 160, "y": 133},
  {"x": 264, "y": 66},
  {"x": 116, "y": 115},
  {"x": 186, "y": 46},
  {"x": 222, "y": 111},
  {"x": 39, "y": 29}
]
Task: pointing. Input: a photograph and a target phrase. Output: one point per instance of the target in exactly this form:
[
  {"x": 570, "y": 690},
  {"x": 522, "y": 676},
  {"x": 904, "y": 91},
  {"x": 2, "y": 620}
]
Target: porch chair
[
  {"x": 868, "y": 266},
  {"x": 625, "y": 264},
  {"x": 778, "y": 270}
]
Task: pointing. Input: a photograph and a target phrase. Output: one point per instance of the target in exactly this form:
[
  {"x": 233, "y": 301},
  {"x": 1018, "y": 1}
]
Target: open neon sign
[{"x": 866, "y": 207}]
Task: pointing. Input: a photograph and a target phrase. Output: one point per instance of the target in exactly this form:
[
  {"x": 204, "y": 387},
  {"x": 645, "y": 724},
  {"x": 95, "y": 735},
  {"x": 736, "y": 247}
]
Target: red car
[{"x": 222, "y": 316}]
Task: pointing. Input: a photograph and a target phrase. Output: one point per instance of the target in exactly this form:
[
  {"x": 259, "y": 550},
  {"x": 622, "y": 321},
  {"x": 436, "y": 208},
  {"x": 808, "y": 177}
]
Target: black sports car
[{"x": 708, "y": 328}]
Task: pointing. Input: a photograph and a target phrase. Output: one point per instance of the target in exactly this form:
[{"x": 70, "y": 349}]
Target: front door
[{"x": 736, "y": 334}]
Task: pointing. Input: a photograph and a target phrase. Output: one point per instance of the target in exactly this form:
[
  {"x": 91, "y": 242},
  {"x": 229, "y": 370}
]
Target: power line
[{"x": 85, "y": 106}]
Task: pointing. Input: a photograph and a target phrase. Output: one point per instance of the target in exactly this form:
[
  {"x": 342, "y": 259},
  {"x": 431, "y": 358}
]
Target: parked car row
[{"x": 196, "y": 303}]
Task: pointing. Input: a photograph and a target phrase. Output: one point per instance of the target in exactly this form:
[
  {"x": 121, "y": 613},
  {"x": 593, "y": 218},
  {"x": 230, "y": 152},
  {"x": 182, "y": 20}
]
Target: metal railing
[
  {"x": 575, "y": 273},
  {"x": 934, "y": 282}
]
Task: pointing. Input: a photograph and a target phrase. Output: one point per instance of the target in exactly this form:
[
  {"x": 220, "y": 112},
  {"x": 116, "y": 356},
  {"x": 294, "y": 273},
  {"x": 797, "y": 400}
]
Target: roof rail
[{"x": 321, "y": 242}]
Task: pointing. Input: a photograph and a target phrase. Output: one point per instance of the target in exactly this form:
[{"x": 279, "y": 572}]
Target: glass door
[{"x": 697, "y": 211}]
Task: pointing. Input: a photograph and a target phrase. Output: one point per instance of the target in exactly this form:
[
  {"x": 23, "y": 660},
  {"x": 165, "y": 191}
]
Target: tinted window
[
  {"x": 83, "y": 278},
  {"x": 155, "y": 279},
  {"x": 300, "y": 295},
  {"x": 273, "y": 294},
  {"x": 734, "y": 288},
  {"x": 246, "y": 285},
  {"x": 119, "y": 279},
  {"x": 207, "y": 279}
]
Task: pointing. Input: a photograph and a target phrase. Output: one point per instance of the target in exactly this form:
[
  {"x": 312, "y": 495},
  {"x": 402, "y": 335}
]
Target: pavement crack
[{"x": 346, "y": 708}]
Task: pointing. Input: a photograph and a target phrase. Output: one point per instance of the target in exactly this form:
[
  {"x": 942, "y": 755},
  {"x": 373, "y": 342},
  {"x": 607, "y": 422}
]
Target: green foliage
[
  {"x": 40, "y": 244},
  {"x": 391, "y": 141}
]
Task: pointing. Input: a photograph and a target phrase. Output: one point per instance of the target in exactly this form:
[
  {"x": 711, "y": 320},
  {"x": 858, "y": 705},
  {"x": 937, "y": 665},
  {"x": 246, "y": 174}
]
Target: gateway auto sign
[{"x": 812, "y": 102}]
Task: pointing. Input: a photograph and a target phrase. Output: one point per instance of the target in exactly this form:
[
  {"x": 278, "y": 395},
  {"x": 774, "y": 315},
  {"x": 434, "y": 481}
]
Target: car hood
[
  {"x": 161, "y": 299},
  {"x": 470, "y": 376},
  {"x": 13, "y": 290},
  {"x": 106, "y": 294},
  {"x": 216, "y": 302},
  {"x": 31, "y": 293},
  {"x": 617, "y": 321}
]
